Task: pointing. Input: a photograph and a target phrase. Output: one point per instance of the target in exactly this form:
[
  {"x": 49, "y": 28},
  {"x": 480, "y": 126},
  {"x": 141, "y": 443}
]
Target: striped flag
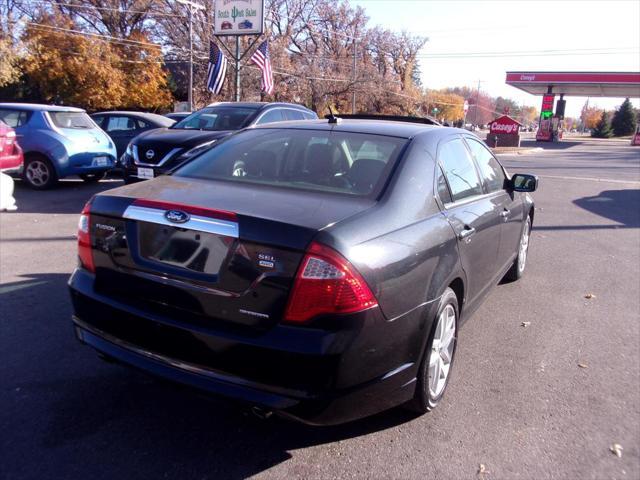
[
  {"x": 262, "y": 60},
  {"x": 217, "y": 69}
]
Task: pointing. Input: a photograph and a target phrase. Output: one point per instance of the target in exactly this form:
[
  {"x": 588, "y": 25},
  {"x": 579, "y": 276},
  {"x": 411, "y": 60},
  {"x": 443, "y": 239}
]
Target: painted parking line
[
  {"x": 21, "y": 286},
  {"x": 591, "y": 179}
]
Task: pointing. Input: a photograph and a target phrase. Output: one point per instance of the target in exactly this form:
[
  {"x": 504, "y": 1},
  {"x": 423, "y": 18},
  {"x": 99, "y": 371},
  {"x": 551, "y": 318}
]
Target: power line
[
  {"x": 97, "y": 35},
  {"x": 109, "y": 9}
]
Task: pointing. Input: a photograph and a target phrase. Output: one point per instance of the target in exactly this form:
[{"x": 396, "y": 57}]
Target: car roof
[
  {"x": 259, "y": 105},
  {"x": 38, "y": 107},
  {"x": 374, "y": 127},
  {"x": 144, "y": 115}
]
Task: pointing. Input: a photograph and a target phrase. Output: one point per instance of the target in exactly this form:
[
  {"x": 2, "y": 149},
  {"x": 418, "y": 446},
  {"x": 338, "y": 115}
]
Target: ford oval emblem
[
  {"x": 150, "y": 154},
  {"x": 176, "y": 216}
]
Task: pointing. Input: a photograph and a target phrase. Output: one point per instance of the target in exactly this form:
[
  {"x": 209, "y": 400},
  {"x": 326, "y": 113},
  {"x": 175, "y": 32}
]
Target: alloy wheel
[
  {"x": 442, "y": 349},
  {"x": 38, "y": 173},
  {"x": 524, "y": 246}
]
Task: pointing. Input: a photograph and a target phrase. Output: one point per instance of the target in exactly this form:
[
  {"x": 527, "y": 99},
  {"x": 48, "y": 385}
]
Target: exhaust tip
[{"x": 261, "y": 413}]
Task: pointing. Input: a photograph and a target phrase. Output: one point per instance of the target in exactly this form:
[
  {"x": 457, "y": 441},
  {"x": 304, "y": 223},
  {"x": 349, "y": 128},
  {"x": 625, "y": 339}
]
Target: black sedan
[
  {"x": 317, "y": 269},
  {"x": 122, "y": 127}
]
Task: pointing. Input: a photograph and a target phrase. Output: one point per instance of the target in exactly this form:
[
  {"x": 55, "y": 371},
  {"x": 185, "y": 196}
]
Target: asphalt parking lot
[{"x": 545, "y": 400}]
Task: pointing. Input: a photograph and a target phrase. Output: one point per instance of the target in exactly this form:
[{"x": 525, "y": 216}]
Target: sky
[{"x": 584, "y": 35}]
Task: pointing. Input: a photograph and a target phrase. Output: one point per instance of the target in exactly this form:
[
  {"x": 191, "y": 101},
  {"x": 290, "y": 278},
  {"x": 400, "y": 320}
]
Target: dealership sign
[
  {"x": 239, "y": 17},
  {"x": 505, "y": 125}
]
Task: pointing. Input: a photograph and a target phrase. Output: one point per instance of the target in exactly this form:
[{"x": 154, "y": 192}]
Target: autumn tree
[
  {"x": 9, "y": 71},
  {"x": 113, "y": 65},
  {"x": 71, "y": 69},
  {"x": 449, "y": 105},
  {"x": 590, "y": 116},
  {"x": 144, "y": 80},
  {"x": 529, "y": 115}
]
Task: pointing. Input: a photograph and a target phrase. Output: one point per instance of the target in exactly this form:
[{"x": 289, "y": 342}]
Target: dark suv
[{"x": 155, "y": 152}]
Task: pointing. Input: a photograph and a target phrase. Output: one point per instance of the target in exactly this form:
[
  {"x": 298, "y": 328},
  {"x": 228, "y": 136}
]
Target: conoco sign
[{"x": 505, "y": 125}]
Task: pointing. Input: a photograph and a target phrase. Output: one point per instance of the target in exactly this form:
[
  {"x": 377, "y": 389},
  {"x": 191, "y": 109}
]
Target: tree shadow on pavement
[
  {"x": 68, "y": 196},
  {"x": 67, "y": 414}
]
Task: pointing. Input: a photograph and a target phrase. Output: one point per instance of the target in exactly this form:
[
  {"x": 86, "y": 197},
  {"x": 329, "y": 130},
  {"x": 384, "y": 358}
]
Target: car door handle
[
  {"x": 505, "y": 213},
  {"x": 466, "y": 233}
]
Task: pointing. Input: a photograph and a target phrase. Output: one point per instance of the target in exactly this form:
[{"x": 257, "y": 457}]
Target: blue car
[
  {"x": 58, "y": 142},
  {"x": 245, "y": 25}
]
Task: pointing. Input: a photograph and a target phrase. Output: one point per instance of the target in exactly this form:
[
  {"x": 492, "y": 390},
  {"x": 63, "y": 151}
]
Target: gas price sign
[{"x": 547, "y": 106}]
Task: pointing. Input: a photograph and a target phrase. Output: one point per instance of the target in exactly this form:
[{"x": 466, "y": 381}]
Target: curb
[{"x": 516, "y": 150}]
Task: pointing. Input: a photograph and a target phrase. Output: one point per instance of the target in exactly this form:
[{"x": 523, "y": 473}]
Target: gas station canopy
[{"x": 580, "y": 84}]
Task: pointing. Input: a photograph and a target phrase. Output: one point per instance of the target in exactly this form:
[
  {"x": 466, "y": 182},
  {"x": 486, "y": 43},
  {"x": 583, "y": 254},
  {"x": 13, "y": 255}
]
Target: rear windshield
[
  {"x": 216, "y": 118},
  {"x": 341, "y": 162},
  {"x": 71, "y": 120}
]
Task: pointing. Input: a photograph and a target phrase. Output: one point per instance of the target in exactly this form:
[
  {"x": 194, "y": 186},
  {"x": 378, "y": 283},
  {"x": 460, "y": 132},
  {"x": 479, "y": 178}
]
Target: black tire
[
  {"x": 424, "y": 400},
  {"x": 39, "y": 173},
  {"x": 517, "y": 269},
  {"x": 92, "y": 177},
  {"x": 128, "y": 180}
]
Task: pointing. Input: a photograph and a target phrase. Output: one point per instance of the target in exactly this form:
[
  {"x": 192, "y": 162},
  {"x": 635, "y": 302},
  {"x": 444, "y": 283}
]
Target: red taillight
[
  {"x": 327, "y": 283},
  {"x": 85, "y": 253}
]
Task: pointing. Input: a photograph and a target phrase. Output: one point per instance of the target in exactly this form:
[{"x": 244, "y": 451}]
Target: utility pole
[
  {"x": 191, "y": 6},
  {"x": 355, "y": 73},
  {"x": 475, "y": 117}
]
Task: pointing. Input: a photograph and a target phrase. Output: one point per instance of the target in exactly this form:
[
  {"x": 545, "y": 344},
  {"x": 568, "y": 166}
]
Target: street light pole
[
  {"x": 191, "y": 6},
  {"x": 355, "y": 66},
  {"x": 190, "y": 99},
  {"x": 475, "y": 116}
]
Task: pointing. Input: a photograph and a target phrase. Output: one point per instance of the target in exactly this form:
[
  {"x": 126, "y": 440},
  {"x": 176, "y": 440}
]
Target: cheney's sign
[{"x": 505, "y": 125}]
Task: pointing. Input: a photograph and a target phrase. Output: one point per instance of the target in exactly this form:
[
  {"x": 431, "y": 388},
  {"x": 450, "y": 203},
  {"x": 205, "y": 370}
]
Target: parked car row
[{"x": 62, "y": 141}]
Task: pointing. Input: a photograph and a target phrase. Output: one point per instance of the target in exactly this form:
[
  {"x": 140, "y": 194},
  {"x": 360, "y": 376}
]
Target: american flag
[
  {"x": 217, "y": 69},
  {"x": 262, "y": 60}
]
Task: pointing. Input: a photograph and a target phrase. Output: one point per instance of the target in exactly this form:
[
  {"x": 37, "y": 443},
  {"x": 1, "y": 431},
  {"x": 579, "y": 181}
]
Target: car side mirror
[{"x": 523, "y": 182}]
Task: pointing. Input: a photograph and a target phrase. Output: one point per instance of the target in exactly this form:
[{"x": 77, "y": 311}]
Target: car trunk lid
[{"x": 204, "y": 252}]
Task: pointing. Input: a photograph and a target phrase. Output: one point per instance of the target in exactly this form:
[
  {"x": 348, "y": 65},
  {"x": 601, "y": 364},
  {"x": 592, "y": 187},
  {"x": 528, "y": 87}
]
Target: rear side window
[
  {"x": 271, "y": 116},
  {"x": 14, "y": 118},
  {"x": 290, "y": 114},
  {"x": 491, "y": 171},
  {"x": 459, "y": 170},
  {"x": 121, "y": 124},
  {"x": 73, "y": 120},
  {"x": 340, "y": 162}
]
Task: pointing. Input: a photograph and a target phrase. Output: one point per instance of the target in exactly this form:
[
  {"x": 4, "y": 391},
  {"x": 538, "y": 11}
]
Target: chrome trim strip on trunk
[{"x": 195, "y": 222}]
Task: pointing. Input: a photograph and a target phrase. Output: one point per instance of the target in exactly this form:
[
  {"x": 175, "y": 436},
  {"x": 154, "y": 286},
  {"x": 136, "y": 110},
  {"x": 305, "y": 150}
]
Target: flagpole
[{"x": 237, "y": 68}]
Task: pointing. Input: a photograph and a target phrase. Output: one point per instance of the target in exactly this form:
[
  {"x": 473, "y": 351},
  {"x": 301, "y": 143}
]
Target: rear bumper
[
  {"x": 79, "y": 164},
  {"x": 337, "y": 363},
  {"x": 11, "y": 164}
]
